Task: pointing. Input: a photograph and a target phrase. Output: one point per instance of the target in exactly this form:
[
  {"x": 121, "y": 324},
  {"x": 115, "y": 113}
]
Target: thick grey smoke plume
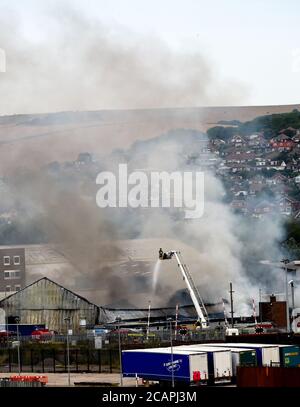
[
  {"x": 219, "y": 248},
  {"x": 228, "y": 247},
  {"x": 79, "y": 64}
]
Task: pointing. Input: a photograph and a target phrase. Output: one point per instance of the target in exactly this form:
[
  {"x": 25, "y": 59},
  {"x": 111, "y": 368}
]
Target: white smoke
[{"x": 78, "y": 63}]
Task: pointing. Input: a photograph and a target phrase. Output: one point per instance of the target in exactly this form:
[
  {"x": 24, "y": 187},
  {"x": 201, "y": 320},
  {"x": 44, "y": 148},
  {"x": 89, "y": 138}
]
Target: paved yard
[{"x": 61, "y": 379}]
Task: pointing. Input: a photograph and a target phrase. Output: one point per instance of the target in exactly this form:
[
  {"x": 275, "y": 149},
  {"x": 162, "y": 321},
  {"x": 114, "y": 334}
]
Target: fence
[
  {"x": 130, "y": 338},
  {"x": 7, "y": 382},
  {"x": 55, "y": 360},
  {"x": 163, "y": 337}
]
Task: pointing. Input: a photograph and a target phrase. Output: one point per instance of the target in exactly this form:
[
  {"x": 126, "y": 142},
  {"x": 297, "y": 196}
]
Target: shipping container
[
  {"x": 219, "y": 361},
  {"x": 267, "y": 355},
  {"x": 240, "y": 357},
  {"x": 289, "y": 355},
  {"x": 158, "y": 365}
]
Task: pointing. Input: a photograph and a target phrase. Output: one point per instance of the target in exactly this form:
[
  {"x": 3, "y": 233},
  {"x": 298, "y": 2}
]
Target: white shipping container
[
  {"x": 221, "y": 359},
  {"x": 269, "y": 354},
  {"x": 235, "y": 354}
]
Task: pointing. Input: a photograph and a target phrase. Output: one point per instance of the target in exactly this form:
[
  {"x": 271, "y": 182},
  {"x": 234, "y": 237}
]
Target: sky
[{"x": 253, "y": 46}]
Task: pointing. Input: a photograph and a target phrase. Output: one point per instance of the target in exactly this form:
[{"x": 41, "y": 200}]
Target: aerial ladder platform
[{"x": 187, "y": 277}]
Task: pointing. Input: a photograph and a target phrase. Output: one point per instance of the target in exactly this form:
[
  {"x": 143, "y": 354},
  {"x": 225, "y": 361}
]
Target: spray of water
[{"x": 155, "y": 276}]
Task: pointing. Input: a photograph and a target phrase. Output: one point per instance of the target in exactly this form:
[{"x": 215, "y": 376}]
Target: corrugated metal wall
[{"x": 47, "y": 302}]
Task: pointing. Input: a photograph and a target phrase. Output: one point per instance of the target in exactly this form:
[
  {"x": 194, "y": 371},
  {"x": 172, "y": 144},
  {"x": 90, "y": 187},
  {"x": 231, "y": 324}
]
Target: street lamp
[
  {"x": 118, "y": 320},
  {"x": 17, "y": 319},
  {"x": 67, "y": 320},
  {"x": 172, "y": 355}
]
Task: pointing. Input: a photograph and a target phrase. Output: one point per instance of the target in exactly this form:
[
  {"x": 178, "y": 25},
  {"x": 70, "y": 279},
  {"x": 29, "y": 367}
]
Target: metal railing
[{"x": 128, "y": 338}]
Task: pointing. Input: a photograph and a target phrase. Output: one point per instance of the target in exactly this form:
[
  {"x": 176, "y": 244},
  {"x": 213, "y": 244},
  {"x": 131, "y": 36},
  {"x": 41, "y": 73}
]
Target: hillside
[{"x": 37, "y": 139}]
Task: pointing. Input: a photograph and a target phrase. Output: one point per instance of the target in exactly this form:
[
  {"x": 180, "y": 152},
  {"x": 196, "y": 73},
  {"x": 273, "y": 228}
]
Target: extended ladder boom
[{"x": 194, "y": 293}]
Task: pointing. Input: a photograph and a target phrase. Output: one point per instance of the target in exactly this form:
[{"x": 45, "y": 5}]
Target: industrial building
[
  {"x": 46, "y": 302},
  {"x": 274, "y": 311},
  {"x": 12, "y": 269},
  {"x": 186, "y": 314}
]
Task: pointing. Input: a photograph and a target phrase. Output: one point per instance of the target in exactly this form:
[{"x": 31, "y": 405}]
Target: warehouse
[{"x": 46, "y": 302}]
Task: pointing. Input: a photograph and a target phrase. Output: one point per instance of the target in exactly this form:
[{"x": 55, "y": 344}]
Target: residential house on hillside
[
  {"x": 260, "y": 161},
  {"x": 238, "y": 167},
  {"x": 255, "y": 140},
  {"x": 277, "y": 179},
  {"x": 297, "y": 179},
  {"x": 282, "y": 143},
  {"x": 262, "y": 208},
  {"x": 239, "y": 204},
  {"x": 256, "y": 184},
  {"x": 288, "y": 206},
  {"x": 292, "y": 165},
  {"x": 297, "y": 216},
  {"x": 217, "y": 142},
  {"x": 237, "y": 140},
  {"x": 273, "y": 159},
  {"x": 239, "y": 190},
  {"x": 240, "y": 157},
  {"x": 296, "y": 137},
  {"x": 278, "y": 165}
]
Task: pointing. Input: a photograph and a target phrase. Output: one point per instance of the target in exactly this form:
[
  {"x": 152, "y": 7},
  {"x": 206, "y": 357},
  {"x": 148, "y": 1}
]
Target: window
[
  {"x": 7, "y": 288},
  {"x": 11, "y": 274},
  {"x": 17, "y": 287},
  {"x": 6, "y": 260},
  {"x": 17, "y": 260}
]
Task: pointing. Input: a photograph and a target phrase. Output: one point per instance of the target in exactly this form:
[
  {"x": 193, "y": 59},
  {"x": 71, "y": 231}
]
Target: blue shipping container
[{"x": 156, "y": 366}]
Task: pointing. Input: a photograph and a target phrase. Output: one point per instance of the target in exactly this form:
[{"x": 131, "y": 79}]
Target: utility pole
[
  {"x": 231, "y": 305},
  {"x": 176, "y": 322},
  {"x": 17, "y": 319},
  {"x": 293, "y": 293},
  {"x": 293, "y": 301},
  {"x": 288, "y": 327},
  {"x": 172, "y": 354},
  {"x": 149, "y": 316},
  {"x": 68, "y": 320},
  {"x": 118, "y": 321},
  {"x": 260, "y": 305}
]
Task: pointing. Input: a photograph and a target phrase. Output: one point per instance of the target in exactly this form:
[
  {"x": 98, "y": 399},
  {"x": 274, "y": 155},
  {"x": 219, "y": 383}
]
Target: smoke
[
  {"x": 230, "y": 245},
  {"x": 78, "y": 63},
  {"x": 219, "y": 248}
]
